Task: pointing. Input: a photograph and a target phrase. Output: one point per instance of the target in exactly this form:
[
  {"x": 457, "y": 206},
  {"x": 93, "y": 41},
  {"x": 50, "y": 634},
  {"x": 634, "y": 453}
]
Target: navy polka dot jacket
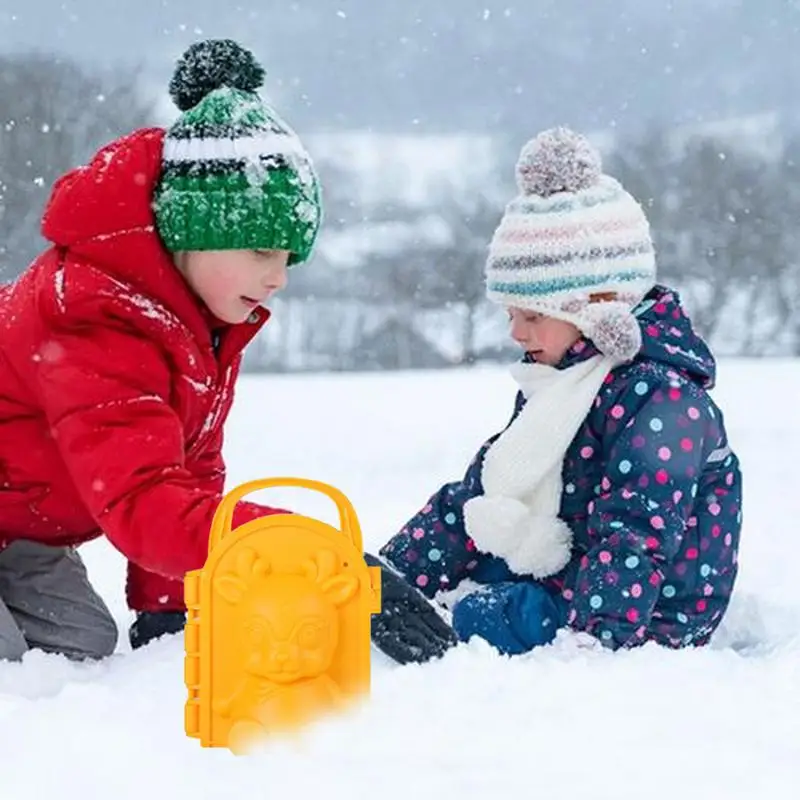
[{"x": 652, "y": 493}]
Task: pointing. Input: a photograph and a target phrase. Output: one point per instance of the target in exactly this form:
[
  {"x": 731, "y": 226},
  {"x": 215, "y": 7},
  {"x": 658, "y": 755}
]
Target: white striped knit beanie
[
  {"x": 234, "y": 175},
  {"x": 573, "y": 244}
]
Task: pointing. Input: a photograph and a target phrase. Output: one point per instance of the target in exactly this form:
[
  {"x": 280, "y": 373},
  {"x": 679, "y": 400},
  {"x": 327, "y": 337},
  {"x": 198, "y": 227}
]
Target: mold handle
[{"x": 223, "y": 517}]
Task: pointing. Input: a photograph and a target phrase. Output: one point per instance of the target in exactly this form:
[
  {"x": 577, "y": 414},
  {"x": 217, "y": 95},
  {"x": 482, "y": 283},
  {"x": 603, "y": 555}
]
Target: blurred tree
[
  {"x": 785, "y": 212},
  {"x": 53, "y": 115}
]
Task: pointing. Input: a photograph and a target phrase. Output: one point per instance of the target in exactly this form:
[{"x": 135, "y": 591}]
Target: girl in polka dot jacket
[{"x": 611, "y": 502}]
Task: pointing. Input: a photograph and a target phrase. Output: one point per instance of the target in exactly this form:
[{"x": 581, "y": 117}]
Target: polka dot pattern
[{"x": 652, "y": 494}]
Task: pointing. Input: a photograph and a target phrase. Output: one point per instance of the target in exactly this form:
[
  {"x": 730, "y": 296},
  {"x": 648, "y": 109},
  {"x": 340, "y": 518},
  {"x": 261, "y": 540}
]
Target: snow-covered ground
[{"x": 718, "y": 723}]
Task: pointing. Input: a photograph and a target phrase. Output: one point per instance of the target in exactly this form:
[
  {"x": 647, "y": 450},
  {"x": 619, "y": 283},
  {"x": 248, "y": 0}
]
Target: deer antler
[
  {"x": 249, "y": 564},
  {"x": 320, "y": 567},
  {"x": 327, "y": 566}
]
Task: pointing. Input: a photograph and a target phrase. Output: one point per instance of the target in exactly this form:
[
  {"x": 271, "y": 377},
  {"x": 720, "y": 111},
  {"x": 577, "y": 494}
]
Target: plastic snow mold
[{"x": 278, "y": 626}]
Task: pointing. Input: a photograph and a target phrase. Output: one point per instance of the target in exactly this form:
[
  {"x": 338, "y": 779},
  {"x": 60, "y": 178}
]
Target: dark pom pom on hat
[{"x": 210, "y": 65}]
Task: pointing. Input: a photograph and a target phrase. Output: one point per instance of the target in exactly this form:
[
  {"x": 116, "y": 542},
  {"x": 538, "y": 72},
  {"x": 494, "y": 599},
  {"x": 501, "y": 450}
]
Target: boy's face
[
  {"x": 233, "y": 282},
  {"x": 545, "y": 338}
]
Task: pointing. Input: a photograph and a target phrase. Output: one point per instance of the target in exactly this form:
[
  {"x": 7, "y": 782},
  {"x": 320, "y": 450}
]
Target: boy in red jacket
[{"x": 120, "y": 347}]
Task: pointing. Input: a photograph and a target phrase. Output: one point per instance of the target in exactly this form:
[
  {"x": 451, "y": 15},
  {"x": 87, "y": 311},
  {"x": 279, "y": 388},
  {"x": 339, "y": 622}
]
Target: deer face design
[{"x": 289, "y": 622}]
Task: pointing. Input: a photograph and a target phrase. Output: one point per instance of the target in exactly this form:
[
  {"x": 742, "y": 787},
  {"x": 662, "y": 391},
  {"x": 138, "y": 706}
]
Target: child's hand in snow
[{"x": 408, "y": 628}]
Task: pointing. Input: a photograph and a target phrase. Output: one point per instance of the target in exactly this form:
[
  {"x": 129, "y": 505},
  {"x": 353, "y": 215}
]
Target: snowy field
[{"x": 719, "y": 723}]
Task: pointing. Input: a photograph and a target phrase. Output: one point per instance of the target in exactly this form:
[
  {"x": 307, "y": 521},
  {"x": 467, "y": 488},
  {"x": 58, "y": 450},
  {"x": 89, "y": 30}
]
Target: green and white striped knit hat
[{"x": 235, "y": 175}]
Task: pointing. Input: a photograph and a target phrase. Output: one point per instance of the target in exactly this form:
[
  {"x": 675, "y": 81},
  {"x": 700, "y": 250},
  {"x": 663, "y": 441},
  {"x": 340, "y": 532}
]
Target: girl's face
[
  {"x": 233, "y": 282},
  {"x": 545, "y": 338}
]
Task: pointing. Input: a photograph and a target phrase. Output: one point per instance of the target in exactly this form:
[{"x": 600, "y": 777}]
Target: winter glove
[
  {"x": 408, "y": 629},
  {"x": 150, "y": 625},
  {"x": 512, "y": 617}
]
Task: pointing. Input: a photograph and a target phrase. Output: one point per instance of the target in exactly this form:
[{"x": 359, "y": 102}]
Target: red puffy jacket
[{"x": 115, "y": 382}]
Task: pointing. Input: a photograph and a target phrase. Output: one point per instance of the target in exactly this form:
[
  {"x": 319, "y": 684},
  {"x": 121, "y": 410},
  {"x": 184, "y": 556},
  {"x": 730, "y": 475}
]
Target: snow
[{"x": 720, "y": 722}]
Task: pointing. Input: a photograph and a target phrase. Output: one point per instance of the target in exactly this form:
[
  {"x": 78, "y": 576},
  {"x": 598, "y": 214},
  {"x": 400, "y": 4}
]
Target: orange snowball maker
[{"x": 278, "y": 628}]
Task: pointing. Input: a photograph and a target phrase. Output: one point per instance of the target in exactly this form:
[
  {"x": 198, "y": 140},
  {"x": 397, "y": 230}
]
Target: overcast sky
[{"x": 436, "y": 65}]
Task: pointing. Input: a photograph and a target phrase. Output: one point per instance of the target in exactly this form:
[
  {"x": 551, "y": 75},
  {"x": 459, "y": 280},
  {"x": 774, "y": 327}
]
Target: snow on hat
[
  {"x": 573, "y": 245},
  {"x": 235, "y": 176}
]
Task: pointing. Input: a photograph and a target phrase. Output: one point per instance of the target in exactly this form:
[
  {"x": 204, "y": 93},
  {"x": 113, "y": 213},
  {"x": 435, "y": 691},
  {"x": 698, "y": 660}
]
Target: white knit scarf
[{"x": 517, "y": 516}]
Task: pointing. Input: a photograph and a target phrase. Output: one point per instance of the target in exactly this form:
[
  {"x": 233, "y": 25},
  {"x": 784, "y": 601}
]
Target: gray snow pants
[{"x": 47, "y": 603}]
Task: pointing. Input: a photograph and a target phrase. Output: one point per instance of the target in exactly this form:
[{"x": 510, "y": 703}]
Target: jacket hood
[
  {"x": 102, "y": 210},
  {"x": 101, "y": 213},
  {"x": 668, "y": 337}
]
